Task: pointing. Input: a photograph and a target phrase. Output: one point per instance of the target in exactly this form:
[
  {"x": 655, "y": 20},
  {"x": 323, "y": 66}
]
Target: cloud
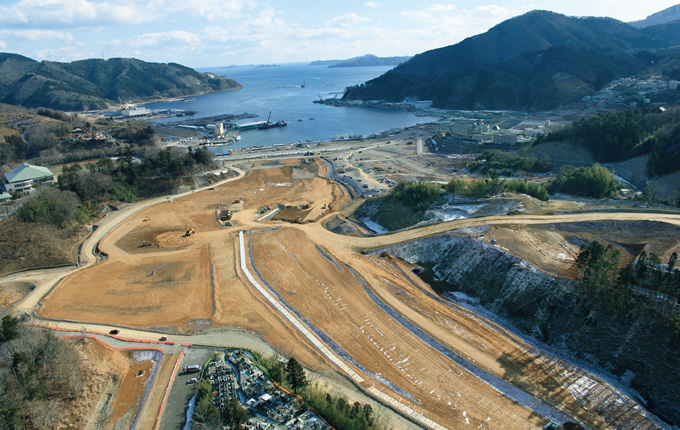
[
  {"x": 491, "y": 11},
  {"x": 38, "y": 35},
  {"x": 431, "y": 13},
  {"x": 372, "y": 4},
  {"x": 210, "y": 9},
  {"x": 346, "y": 20},
  {"x": 154, "y": 39},
  {"x": 52, "y": 14},
  {"x": 89, "y": 13}
]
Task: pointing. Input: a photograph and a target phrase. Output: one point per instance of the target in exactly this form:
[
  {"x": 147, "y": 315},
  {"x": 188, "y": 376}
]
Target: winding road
[{"x": 46, "y": 280}]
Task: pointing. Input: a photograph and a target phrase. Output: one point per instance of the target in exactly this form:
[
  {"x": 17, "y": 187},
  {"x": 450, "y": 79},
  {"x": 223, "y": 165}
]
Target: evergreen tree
[
  {"x": 233, "y": 414},
  {"x": 295, "y": 375}
]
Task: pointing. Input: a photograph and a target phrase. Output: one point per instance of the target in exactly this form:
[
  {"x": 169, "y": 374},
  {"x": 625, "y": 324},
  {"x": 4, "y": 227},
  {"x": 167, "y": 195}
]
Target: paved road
[{"x": 47, "y": 279}]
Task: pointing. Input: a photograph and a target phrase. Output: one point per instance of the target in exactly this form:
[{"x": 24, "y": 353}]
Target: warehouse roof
[{"x": 26, "y": 172}]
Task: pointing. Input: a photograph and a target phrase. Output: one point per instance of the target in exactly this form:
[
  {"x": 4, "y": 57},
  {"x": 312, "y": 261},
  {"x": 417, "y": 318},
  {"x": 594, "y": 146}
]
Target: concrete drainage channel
[{"x": 398, "y": 406}]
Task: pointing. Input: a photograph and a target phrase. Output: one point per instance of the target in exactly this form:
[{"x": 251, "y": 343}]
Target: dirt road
[{"x": 196, "y": 287}]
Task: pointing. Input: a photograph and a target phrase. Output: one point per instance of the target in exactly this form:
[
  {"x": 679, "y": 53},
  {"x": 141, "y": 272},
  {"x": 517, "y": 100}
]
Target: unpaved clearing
[
  {"x": 113, "y": 391},
  {"x": 187, "y": 283}
]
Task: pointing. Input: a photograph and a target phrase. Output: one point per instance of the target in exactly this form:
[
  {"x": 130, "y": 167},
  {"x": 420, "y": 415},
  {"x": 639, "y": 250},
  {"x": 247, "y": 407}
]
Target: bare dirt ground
[
  {"x": 113, "y": 391},
  {"x": 12, "y": 292},
  {"x": 554, "y": 248},
  {"x": 334, "y": 301},
  {"x": 193, "y": 283}
]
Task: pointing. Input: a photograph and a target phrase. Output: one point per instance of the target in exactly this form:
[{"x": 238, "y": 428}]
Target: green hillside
[
  {"x": 620, "y": 136},
  {"x": 94, "y": 83},
  {"x": 539, "y": 60}
]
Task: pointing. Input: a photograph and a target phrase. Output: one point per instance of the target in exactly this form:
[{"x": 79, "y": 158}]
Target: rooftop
[{"x": 27, "y": 172}]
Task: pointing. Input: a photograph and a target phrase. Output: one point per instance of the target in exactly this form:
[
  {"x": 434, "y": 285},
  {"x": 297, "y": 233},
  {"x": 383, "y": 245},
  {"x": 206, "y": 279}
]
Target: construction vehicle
[
  {"x": 225, "y": 214},
  {"x": 190, "y": 232},
  {"x": 147, "y": 218},
  {"x": 145, "y": 243}
]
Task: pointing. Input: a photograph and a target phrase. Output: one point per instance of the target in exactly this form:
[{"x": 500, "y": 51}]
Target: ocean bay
[{"x": 288, "y": 91}]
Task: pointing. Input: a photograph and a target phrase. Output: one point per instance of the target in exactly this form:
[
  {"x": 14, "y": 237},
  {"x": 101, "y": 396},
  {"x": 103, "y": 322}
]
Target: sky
[{"x": 210, "y": 33}]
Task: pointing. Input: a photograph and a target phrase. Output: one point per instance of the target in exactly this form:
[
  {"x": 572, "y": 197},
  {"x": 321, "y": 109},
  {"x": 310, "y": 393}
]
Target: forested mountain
[
  {"x": 619, "y": 136},
  {"x": 664, "y": 17},
  {"x": 539, "y": 60},
  {"x": 95, "y": 83},
  {"x": 367, "y": 60},
  {"x": 370, "y": 60}
]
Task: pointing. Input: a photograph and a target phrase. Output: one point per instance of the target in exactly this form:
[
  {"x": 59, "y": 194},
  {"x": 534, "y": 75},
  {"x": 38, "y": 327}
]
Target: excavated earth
[{"x": 385, "y": 323}]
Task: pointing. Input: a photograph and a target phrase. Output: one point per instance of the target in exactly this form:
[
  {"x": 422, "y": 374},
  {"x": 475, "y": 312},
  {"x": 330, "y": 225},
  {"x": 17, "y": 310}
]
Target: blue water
[{"x": 279, "y": 90}]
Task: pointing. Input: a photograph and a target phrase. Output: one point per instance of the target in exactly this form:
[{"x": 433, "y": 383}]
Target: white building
[
  {"x": 131, "y": 111},
  {"x": 23, "y": 178}
]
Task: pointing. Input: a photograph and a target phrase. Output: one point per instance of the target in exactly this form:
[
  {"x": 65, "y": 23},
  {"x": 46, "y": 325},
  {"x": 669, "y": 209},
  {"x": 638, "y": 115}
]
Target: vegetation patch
[
  {"x": 402, "y": 207},
  {"x": 38, "y": 377},
  {"x": 619, "y": 136},
  {"x": 495, "y": 162},
  {"x": 337, "y": 412},
  {"x": 595, "y": 181},
  {"x": 36, "y": 245}
]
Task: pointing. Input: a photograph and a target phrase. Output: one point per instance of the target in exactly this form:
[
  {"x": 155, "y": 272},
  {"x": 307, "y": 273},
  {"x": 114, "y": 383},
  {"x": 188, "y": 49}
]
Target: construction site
[{"x": 254, "y": 255}]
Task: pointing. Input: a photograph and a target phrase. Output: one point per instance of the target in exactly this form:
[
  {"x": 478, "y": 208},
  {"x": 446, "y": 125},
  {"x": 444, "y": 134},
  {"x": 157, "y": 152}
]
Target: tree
[
  {"x": 594, "y": 181},
  {"x": 368, "y": 414},
  {"x": 342, "y": 405},
  {"x": 355, "y": 411},
  {"x": 206, "y": 412},
  {"x": 51, "y": 205},
  {"x": 9, "y": 329},
  {"x": 276, "y": 370},
  {"x": 599, "y": 266},
  {"x": 233, "y": 414},
  {"x": 671, "y": 261},
  {"x": 295, "y": 375}
]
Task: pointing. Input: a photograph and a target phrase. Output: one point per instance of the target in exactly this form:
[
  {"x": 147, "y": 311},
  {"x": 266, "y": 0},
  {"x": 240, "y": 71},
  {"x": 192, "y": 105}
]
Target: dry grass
[{"x": 35, "y": 245}]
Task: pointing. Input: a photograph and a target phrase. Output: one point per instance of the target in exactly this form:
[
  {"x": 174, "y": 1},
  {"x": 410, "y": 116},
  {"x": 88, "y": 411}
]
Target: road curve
[
  {"x": 371, "y": 242},
  {"x": 48, "y": 279}
]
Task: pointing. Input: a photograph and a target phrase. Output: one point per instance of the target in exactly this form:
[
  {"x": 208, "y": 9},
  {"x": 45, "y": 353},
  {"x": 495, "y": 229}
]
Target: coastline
[{"x": 143, "y": 102}]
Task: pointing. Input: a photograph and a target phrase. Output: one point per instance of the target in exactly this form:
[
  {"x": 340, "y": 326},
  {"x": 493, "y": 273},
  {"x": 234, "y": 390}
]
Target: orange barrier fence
[
  {"x": 167, "y": 390},
  {"x": 122, "y": 339},
  {"x": 132, "y": 348},
  {"x": 303, "y": 401}
]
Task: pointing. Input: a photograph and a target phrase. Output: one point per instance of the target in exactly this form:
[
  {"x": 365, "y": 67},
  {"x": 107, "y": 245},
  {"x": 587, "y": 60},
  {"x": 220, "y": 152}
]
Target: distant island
[
  {"x": 368, "y": 60},
  {"x": 96, "y": 83},
  {"x": 537, "y": 61}
]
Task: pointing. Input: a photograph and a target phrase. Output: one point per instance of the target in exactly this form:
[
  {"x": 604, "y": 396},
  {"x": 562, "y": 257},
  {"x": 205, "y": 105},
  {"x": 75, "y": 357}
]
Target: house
[
  {"x": 23, "y": 179},
  {"x": 5, "y": 197}
]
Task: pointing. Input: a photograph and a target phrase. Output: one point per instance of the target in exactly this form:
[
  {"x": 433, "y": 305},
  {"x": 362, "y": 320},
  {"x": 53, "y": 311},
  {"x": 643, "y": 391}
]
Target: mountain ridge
[
  {"x": 515, "y": 65},
  {"x": 97, "y": 83},
  {"x": 665, "y": 16},
  {"x": 367, "y": 60}
]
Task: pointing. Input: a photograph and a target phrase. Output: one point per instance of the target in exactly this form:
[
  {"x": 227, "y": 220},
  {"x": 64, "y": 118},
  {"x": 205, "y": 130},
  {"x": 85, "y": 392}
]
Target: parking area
[{"x": 175, "y": 412}]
